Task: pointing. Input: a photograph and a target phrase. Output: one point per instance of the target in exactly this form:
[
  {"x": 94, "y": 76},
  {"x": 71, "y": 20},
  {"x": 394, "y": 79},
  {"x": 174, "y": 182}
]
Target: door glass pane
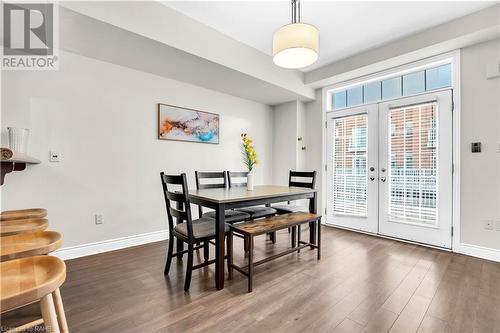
[
  {"x": 413, "y": 164},
  {"x": 350, "y": 165}
]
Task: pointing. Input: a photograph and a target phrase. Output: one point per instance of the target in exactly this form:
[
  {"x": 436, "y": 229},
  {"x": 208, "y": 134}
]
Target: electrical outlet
[
  {"x": 488, "y": 225},
  {"x": 98, "y": 219},
  {"x": 54, "y": 156}
]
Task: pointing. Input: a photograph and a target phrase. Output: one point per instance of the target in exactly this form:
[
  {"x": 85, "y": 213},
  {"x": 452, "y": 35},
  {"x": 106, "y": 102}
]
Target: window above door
[{"x": 434, "y": 77}]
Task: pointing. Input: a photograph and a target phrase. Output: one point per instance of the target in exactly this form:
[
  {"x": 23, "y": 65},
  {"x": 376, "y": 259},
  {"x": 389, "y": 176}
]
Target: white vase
[
  {"x": 18, "y": 139},
  {"x": 250, "y": 181}
]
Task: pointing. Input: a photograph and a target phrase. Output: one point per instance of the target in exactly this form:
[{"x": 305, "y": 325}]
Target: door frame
[{"x": 392, "y": 67}]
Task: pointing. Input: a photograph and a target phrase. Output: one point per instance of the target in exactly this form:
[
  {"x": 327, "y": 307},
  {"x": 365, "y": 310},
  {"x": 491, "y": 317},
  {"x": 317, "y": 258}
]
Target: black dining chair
[
  {"x": 205, "y": 180},
  {"x": 306, "y": 179},
  {"x": 185, "y": 229},
  {"x": 239, "y": 179}
]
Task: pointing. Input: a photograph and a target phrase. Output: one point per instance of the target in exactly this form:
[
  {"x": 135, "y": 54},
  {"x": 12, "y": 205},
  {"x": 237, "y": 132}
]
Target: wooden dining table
[{"x": 220, "y": 200}]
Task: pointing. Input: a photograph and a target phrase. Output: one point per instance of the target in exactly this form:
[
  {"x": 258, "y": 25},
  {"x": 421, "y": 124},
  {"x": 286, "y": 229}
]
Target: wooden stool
[
  {"x": 27, "y": 280},
  {"x": 22, "y": 214},
  {"x": 14, "y": 227},
  {"x": 29, "y": 244}
]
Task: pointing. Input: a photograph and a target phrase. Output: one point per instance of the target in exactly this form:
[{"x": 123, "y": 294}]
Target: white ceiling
[{"x": 346, "y": 28}]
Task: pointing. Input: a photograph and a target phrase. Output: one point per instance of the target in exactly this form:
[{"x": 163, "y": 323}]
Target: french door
[
  {"x": 390, "y": 168},
  {"x": 353, "y": 158}
]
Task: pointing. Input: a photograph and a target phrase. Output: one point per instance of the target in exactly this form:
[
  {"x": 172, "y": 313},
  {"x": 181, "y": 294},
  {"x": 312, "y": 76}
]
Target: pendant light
[{"x": 296, "y": 45}]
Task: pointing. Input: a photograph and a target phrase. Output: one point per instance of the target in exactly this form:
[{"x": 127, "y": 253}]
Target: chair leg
[
  {"x": 180, "y": 248},
  {"x": 189, "y": 269},
  {"x": 250, "y": 263},
  {"x": 49, "y": 314},
  {"x": 170, "y": 251},
  {"x": 61, "y": 317},
  {"x": 206, "y": 252},
  {"x": 230, "y": 254},
  {"x": 294, "y": 236}
]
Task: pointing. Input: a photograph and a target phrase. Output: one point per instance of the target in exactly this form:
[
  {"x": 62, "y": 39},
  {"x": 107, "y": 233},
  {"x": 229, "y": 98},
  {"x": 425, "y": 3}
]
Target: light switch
[
  {"x": 476, "y": 147},
  {"x": 54, "y": 156}
]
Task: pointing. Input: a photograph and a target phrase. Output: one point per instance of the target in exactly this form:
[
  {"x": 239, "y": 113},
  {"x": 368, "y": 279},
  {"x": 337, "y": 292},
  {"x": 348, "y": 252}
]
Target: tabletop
[{"x": 237, "y": 194}]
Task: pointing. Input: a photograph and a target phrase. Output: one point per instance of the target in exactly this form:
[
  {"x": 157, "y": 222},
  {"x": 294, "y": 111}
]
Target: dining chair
[
  {"x": 186, "y": 229},
  {"x": 205, "y": 180},
  {"x": 239, "y": 179},
  {"x": 305, "y": 179}
]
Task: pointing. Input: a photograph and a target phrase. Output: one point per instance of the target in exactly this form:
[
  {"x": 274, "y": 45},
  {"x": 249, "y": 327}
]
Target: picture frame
[{"x": 178, "y": 123}]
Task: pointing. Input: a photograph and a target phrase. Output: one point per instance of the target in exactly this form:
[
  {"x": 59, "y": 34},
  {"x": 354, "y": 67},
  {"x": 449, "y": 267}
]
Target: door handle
[{"x": 382, "y": 179}]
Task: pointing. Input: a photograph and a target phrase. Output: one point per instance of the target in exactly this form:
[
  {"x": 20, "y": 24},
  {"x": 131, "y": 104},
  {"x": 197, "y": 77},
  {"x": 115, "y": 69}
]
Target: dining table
[{"x": 222, "y": 199}]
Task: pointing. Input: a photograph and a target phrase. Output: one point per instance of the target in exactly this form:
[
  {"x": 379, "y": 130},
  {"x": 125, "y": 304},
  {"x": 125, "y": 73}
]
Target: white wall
[
  {"x": 102, "y": 119},
  {"x": 313, "y": 128},
  {"x": 284, "y": 141},
  {"x": 480, "y": 178}
]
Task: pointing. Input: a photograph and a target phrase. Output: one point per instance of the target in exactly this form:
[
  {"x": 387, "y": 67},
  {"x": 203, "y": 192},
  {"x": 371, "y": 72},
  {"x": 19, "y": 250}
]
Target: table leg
[
  {"x": 313, "y": 208},
  {"x": 219, "y": 246}
]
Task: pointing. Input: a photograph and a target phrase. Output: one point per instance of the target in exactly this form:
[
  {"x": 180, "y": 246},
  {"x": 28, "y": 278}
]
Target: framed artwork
[{"x": 183, "y": 124}]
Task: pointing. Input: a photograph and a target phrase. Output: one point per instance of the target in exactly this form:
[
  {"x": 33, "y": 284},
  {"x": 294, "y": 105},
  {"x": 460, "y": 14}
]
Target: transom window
[{"x": 399, "y": 86}]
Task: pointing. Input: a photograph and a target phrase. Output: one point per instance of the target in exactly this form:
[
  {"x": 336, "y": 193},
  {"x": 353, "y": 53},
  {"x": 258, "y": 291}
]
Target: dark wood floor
[{"x": 362, "y": 283}]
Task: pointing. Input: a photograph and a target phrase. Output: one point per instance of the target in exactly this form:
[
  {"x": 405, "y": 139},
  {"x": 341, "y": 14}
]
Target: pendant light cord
[{"x": 295, "y": 11}]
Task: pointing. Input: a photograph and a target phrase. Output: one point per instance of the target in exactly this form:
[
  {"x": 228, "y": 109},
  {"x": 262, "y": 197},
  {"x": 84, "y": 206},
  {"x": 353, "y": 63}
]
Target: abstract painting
[{"x": 182, "y": 124}]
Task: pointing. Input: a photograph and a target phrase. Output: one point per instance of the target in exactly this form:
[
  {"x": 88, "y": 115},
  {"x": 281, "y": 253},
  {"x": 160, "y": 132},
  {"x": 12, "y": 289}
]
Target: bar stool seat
[
  {"x": 14, "y": 227},
  {"x": 29, "y": 244},
  {"x": 26, "y": 280},
  {"x": 22, "y": 214}
]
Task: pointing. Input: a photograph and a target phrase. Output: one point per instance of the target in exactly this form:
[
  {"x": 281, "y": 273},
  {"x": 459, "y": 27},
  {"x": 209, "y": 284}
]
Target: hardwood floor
[{"x": 361, "y": 284}]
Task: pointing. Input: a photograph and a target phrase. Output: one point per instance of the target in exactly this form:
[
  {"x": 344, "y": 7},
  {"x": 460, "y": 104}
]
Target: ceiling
[{"x": 346, "y": 28}]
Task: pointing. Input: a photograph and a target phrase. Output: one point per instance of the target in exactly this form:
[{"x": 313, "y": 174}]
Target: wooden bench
[{"x": 264, "y": 226}]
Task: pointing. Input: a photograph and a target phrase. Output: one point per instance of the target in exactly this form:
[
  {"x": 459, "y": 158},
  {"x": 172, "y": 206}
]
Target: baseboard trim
[
  {"x": 84, "y": 250},
  {"x": 480, "y": 252}
]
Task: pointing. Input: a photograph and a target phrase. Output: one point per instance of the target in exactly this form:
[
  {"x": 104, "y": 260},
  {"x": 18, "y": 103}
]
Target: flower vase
[{"x": 250, "y": 181}]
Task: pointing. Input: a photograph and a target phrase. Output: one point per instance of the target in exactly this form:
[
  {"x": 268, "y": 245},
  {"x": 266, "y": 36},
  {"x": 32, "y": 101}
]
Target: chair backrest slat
[
  {"x": 182, "y": 211},
  {"x": 234, "y": 176},
  {"x": 173, "y": 179},
  {"x": 220, "y": 178},
  {"x": 220, "y": 182},
  {"x": 181, "y": 215},
  {"x": 310, "y": 183},
  {"x": 174, "y": 196}
]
